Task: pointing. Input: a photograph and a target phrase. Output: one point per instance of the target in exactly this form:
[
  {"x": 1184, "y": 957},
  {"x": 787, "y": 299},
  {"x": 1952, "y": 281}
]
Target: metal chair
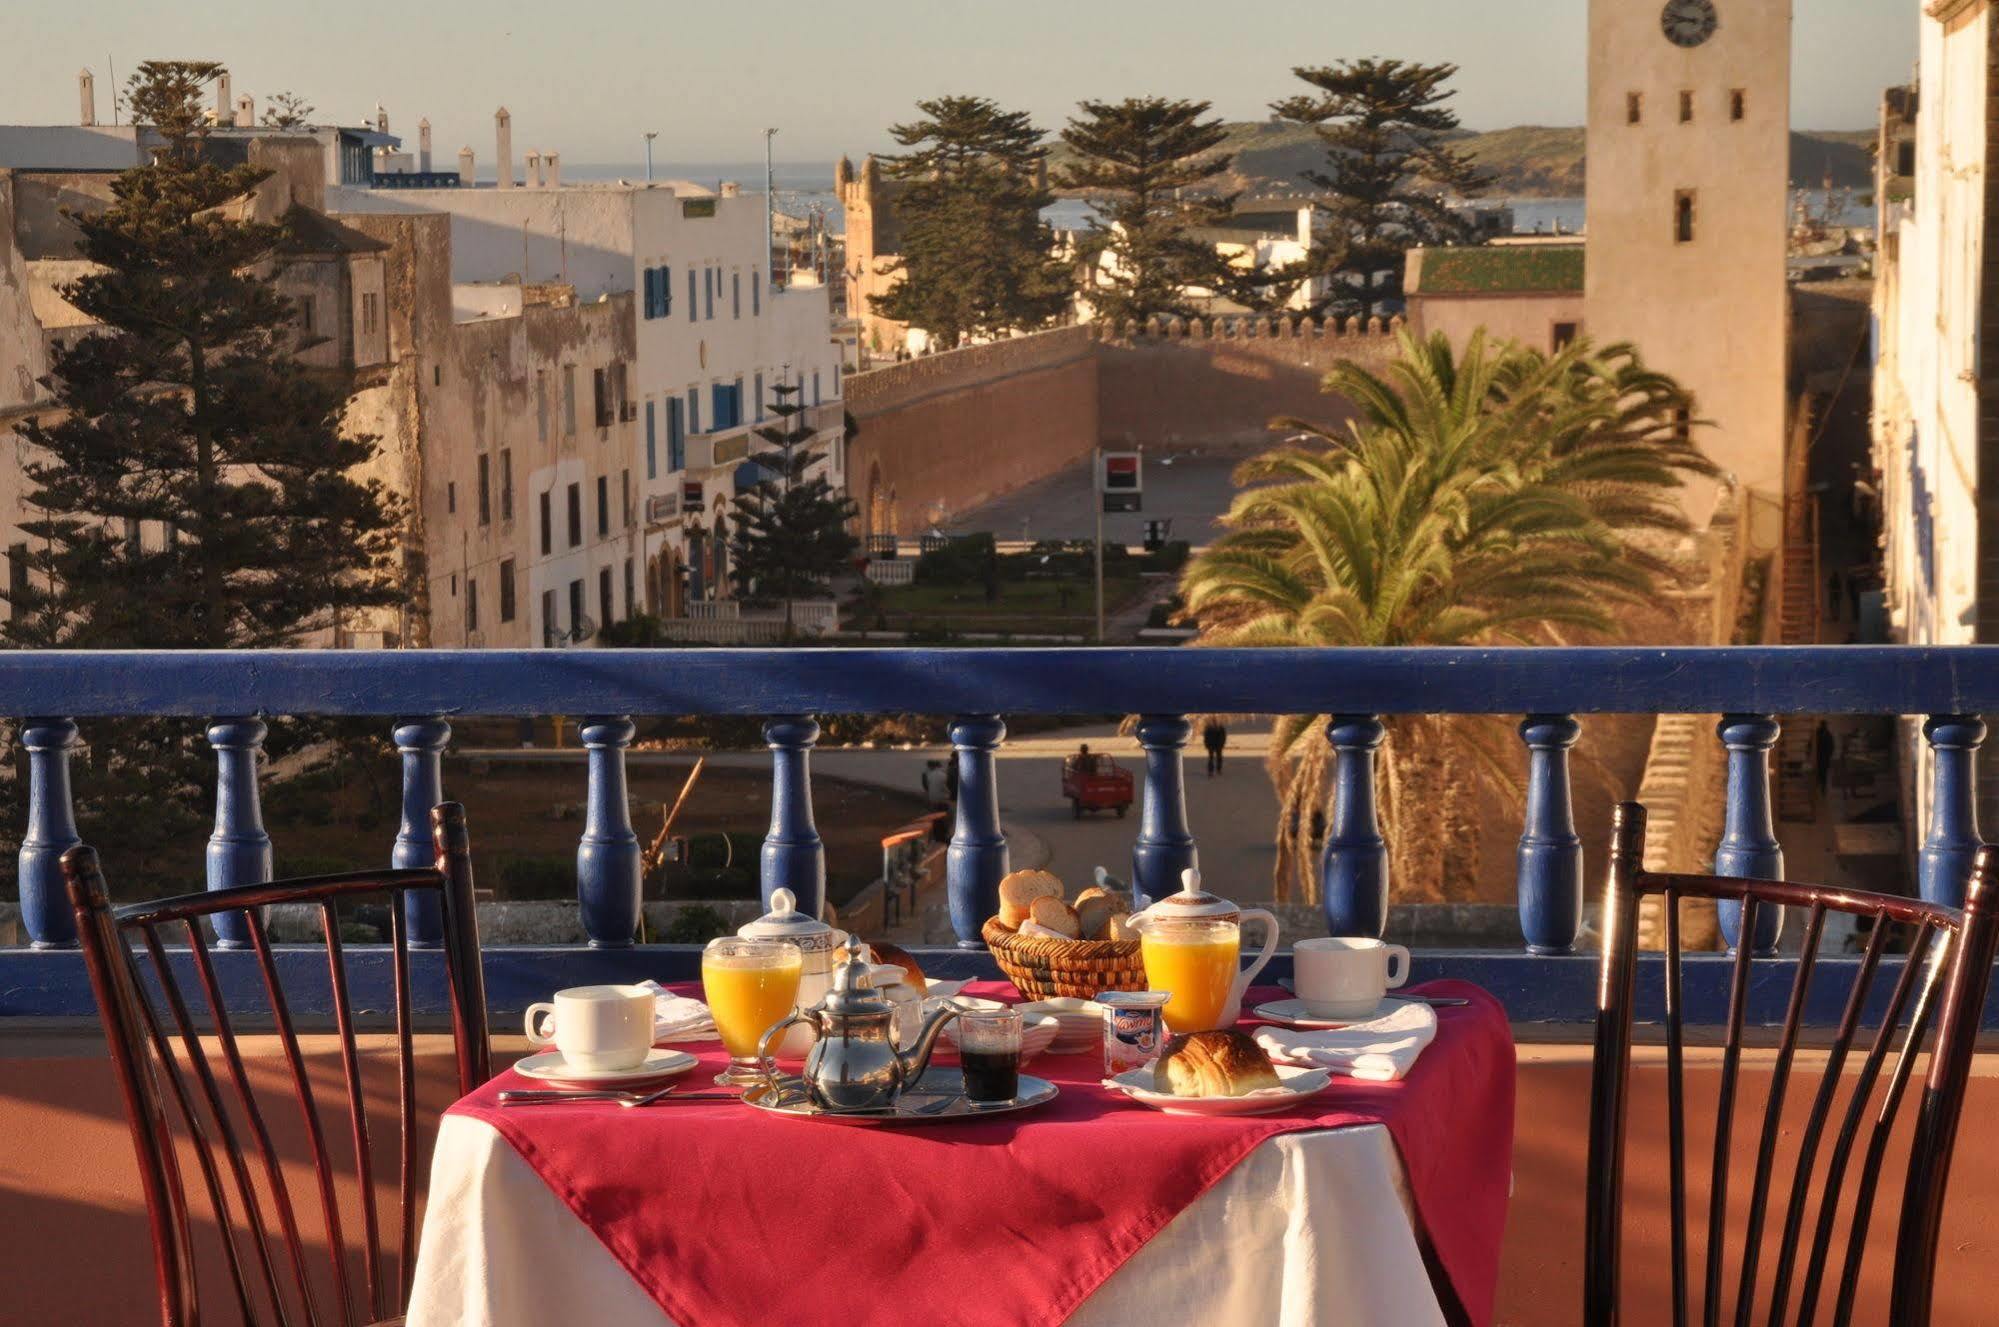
[
  {"x": 1950, "y": 957},
  {"x": 154, "y": 1081}
]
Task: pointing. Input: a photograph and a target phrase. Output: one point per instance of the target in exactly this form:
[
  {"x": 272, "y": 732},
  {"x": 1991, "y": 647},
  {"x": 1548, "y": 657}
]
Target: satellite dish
[{"x": 583, "y": 630}]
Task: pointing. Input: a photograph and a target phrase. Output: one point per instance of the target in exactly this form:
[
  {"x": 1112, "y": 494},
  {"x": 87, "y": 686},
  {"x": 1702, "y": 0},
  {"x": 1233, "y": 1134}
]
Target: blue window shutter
[
  {"x": 756, "y": 293},
  {"x": 759, "y": 389},
  {"x": 676, "y": 436},
  {"x": 693, "y": 409},
  {"x": 665, "y": 290},
  {"x": 652, "y": 443},
  {"x": 693, "y": 309},
  {"x": 709, "y": 299},
  {"x": 735, "y": 294}
]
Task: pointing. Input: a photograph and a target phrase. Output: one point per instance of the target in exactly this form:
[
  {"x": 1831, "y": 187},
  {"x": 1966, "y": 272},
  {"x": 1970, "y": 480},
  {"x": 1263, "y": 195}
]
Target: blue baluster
[
  {"x": 1353, "y": 870},
  {"x": 239, "y": 851},
  {"x": 1952, "y": 838},
  {"x": 1165, "y": 845},
  {"x": 422, "y": 743},
  {"x": 794, "y": 857},
  {"x": 1749, "y": 845},
  {"x": 1550, "y": 862},
  {"x": 51, "y": 832},
  {"x": 977, "y": 858},
  {"x": 607, "y": 857}
]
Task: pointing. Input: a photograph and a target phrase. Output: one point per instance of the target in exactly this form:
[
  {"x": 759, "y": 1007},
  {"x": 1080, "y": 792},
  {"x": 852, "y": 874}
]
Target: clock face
[{"x": 1689, "y": 22}]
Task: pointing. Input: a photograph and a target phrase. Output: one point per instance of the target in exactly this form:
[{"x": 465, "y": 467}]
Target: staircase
[{"x": 1800, "y": 593}]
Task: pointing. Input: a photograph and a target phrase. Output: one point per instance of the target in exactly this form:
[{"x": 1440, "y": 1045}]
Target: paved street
[{"x": 1190, "y": 489}]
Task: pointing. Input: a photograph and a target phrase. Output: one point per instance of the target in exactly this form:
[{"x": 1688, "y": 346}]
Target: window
[
  {"x": 451, "y": 497},
  {"x": 506, "y": 485},
  {"x": 836, "y": 377},
  {"x": 815, "y": 387},
  {"x": 1564, "y": 334},
  {"x": 600, "y": 387},
  {"x": 1738, "y": 104},
  {"x": 471, "y": 605},
  {"x": 728, "y": 405},
  {"x": 676, "y": 436},
  {"x": 757, "y": 386},
  {"x": 1634, "y": 107},
  {"x": 603, "y": 505},
  {"x": 437, "y": 375},
  {"x": 1683, "y": 423},
  {"x": 665, "y": 291},
  {"x": 575, "y": 515},
  {"x": 756, "y": 293},
  {"x": 548, "y": 623},
  {"x": 605, "y": 613},
  {"x": 1686, "y": 107},
  {"x": 568, "y": 400},
  {"x": 708, "y": 300},
  {"x": 547, "y": 528},
  {"x": 370, "y": 313},
  {"x": 1683, "y": 217},
  {"x": 652, "y": 439},
  {"x": 693, "y": 307},
  {"x": 735, "y": 294},
  {"x": 693, "y": 409},
  {"x": 628, "y": 587},
  {"x": 305, "y": 308},
  {"x": 624, "y": 497},
  {"x": 652, "y": 290},
  {"x": 576, "y": 606},
  {"x": 507, "y": 590},
  {"x": 541, "y": 404},
  {"x": 485, "y": 490},
  {"x": 1905, "y": 160}
]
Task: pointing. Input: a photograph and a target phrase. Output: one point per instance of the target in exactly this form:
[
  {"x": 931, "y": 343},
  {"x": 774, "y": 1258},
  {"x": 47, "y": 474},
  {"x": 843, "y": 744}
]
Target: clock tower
[{"x": 1688, "y": 180}]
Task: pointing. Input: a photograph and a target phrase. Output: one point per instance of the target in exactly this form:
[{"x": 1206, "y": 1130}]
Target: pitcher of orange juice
[{"x": 1192, "y": 947}]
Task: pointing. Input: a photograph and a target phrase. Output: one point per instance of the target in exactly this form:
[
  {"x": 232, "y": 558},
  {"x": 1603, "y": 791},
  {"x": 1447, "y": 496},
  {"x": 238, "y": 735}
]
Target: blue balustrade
[
  {"x": 977, "y": 858},
  {"x": 1165, "y": 845},
  {"x": 1952, "y": 838},
  {"x": 422, "y": 743},
  {"x": 1550, "y": 861},
  {"x": 1353, "y": 869},
  {"x": 1749, "y": 844},
  {"x": 607, "y": 859},
  {"x": 51, "y": 832},
  {"x": 239, "y": 851},
  {"x": 794, "y": 858}
]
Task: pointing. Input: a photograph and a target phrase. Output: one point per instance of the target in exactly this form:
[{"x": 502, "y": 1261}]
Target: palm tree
[{"x": 1493, "y": 495}]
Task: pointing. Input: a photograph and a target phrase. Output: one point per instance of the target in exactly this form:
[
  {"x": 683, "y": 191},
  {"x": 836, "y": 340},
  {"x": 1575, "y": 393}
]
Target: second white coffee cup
[
  {"x": 599, "y": 1029},
  {"x": 1346, "y": 976}
]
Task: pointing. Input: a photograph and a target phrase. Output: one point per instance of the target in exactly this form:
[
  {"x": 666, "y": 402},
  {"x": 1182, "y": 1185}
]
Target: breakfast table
[{"x": 1367, "y": 1203}]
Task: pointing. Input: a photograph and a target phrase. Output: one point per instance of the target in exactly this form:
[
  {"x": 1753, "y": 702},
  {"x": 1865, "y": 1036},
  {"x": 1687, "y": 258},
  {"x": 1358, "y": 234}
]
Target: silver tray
[{"x": 937, "y": 1097}]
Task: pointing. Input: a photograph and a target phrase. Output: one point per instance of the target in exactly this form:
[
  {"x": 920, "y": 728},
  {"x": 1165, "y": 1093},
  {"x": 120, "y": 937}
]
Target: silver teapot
[{"x": 853, "y": 1063}]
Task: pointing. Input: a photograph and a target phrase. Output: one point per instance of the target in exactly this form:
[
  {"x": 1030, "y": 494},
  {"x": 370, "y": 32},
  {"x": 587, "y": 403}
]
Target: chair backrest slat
[
  {"x": 142, "y": 1041},
  {"x": 357, "y": 1109},
  {"x": 1919, "y": 993}
]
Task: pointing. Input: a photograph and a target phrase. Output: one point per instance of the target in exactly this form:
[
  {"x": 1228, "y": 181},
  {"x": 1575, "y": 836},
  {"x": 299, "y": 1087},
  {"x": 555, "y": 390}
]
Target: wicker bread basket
[{"x": 1044, "y": 967}]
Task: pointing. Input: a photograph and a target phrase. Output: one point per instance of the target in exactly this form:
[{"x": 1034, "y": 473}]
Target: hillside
[{"x": 1526, "y": 161}]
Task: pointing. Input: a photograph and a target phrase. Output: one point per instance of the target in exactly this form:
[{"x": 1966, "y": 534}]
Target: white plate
[
  {"x": 1292, "y": 1013},
  {"x": 1082, "y": 1023},
  {"x": 942, "y": 990},
  {"x": 1294, "y": 1085},
  {"x": 549, "y": 1067},
  {"x": 967, "y": 1003}
]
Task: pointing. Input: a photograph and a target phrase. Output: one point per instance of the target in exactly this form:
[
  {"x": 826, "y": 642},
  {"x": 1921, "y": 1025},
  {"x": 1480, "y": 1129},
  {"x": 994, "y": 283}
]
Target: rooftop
[{"x": 1497, "y": 270}]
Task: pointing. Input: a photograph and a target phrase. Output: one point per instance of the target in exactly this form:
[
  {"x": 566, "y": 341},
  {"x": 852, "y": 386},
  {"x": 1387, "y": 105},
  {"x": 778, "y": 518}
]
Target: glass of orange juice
[
  {"x": 750, "y": 984},
  {"x": 1196, "y": 961}
]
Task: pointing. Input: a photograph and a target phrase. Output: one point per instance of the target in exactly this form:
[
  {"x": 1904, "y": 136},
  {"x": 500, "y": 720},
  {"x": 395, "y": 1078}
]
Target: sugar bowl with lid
[{"x": 817, "y": 942}]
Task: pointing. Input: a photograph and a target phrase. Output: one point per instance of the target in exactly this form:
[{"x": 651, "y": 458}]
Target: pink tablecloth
[{"x": 731, "y": 1218}]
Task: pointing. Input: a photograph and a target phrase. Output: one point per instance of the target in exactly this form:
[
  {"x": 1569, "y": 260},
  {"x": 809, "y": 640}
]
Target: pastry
[
  {"x": 1223, "y": 1063},
  {"x": 912, "y": 975},
  {"x": 1019, "y": 890},
  {"x": 1056, "y": 915}
]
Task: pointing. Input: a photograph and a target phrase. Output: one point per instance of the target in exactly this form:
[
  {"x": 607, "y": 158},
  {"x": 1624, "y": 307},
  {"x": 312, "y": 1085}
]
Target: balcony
[{"x": 59, "y": 1092}]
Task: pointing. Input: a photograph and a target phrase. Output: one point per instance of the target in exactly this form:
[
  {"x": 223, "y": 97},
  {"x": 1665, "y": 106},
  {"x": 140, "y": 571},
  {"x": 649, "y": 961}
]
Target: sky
[{"x": 589, "y": 77}]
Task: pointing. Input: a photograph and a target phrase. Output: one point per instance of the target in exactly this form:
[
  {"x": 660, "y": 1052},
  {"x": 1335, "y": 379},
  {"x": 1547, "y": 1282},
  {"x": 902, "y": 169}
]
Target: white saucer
[
  {"x": 1292, "y": 1013},
  {"x": 1294, "y": 1085},
  {"x": 549, "y": 1067}
]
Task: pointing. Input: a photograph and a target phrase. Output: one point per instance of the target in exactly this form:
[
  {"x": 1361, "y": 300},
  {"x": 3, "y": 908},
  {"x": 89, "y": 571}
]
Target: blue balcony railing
[{"x": 419, "y": 693}]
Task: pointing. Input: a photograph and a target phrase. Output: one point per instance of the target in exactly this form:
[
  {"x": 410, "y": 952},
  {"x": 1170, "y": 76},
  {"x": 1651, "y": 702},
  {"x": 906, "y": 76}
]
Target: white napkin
[
  {"x": 678, "y": 1016},
  {"x": 1379, "y": 1050}
]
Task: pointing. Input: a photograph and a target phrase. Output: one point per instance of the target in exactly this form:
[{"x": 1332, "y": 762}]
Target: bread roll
[
  {"x": 1223, "y": 1063},
  {"x": 1120, "y": 929},
  {"x": 912, "y": 975},
  {"x": 1093, "y": 915},
  {"x": 1118, "y": 899},
  {"x": 1019, "y": 890},
  {"x": 1056, "y": 916}
]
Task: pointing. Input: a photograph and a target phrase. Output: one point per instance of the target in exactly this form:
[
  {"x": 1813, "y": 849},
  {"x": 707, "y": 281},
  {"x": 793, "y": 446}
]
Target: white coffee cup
[
  {"x": 1346, "y": 976},
  {"x": 600, "y": 1029}
]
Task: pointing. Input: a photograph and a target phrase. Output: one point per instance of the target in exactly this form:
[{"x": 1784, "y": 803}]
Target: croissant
[{"x": 1222, "y": 1063}]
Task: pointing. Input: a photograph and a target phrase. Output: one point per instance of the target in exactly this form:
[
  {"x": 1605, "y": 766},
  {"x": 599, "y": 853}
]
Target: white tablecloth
[{"x": 1310, "y": 1229}]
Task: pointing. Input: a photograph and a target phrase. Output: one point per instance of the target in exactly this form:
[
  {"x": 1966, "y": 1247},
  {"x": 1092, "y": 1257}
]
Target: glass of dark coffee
[{"x": 989, "y": 1051}]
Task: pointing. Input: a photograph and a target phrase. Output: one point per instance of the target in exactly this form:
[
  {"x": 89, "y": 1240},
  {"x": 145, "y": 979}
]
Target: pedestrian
[
  {"x": 1822, "y": 751},
  {"x": 1214, "y": 736}
]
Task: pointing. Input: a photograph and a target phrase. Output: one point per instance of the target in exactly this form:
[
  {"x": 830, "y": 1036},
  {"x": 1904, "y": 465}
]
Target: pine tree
[
  {"x": 976, "y": 256},
  {"x": 1149, "y": 166},
  {"x": 791, "y": 532},
  {"x": 1389, "y": 164},
  {"x": 288, "y": 110}
]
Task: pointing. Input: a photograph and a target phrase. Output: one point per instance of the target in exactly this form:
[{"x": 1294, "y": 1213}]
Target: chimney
[
  {"x": 503, "y": 134},
  {"x": 731, "y": 189},
  {"x": 465, "y": 174},
  {"x": 423, "y": 145},
  {"x": 553, "y": 160},
  {"x": 532, "y": 175},
  {"x": 246, "y": 111},
  {"x": 225, "y": 106},
  {"x": 86, "y": 86},
  {"x": 381, "y": 119}
]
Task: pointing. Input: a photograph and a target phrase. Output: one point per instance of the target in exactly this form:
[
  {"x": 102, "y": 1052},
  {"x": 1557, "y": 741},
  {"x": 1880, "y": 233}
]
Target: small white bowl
[
  {"x": 1082, "y": 1022},
  {"x": 1036, "y": 1035}
]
